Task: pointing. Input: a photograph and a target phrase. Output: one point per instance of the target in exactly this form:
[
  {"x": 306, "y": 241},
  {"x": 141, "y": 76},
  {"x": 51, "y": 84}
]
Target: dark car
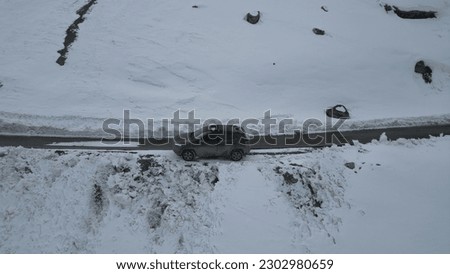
[{"x": 229, "y": 141}]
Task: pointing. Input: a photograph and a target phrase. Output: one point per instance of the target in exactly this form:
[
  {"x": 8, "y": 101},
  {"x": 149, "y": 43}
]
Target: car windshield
[{"x": 198, "y": 133}]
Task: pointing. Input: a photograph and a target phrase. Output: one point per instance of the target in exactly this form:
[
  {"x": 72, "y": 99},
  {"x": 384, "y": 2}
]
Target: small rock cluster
[{"x": 425, "y": 70}]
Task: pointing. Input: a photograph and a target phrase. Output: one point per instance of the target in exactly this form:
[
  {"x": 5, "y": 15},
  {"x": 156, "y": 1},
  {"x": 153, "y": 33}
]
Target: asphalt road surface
[{"x": 319, "y": 139}]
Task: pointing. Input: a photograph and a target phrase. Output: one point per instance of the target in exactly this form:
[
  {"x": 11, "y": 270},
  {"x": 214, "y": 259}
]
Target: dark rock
[
  {"x": 289, "y": 178},
  {"x": 72, "y": 32},
  {"x": 277, "y": 169},
  {"x": 325, "y": 9},
  {"x": 414, "y": 14},
  {"x": 60, "y": 152},
  {"x": 146, "y": 164},
  {"x": 387, "y": 8},
  {"x": 121, "y": 169},
  {"x": 338, "y": 112},
  {"x": 1, "y": 84},
  {"x": 27, "y": 170},
  {"x": 350, "y": 165},
  {"x": 195, "y": 7},
  {"x": 317, "y": 203},
  {"x": 253, "y": 19},
  {"x": 318, "y": 31},
  {"x": 311, "y": 189},
  {"x": 215, "y": 181},
  {"x": 425, "y": 70}
]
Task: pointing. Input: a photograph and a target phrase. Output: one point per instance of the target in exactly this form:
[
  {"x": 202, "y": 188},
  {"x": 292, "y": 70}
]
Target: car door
[
  {"x": 226, "y": 145},
  {"x": 206, "y": 147}
]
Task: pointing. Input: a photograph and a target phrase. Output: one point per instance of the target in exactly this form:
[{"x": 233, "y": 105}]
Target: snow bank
[
  {"x": 383, "y": 197},
  {"x": 78, "y": 202}
]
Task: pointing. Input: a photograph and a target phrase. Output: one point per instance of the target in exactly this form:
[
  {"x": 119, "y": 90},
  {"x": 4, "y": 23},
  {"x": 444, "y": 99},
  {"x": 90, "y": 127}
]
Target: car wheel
[
  {"x": 188, "y": 155},
  {"x": 236, "y": 155}
]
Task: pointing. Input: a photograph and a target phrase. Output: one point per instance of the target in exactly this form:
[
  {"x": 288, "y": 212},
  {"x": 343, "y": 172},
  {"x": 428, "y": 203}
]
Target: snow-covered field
[
  {"x": 155, "y": 57},
  {"x": 383, "y": 197}
]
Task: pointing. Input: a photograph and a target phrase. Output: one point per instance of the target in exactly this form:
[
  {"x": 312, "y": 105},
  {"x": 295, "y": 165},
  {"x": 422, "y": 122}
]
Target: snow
[
  {"x": 411, "y": 215},
  {"x": 154, "y": 58},
  {"x": 96, "y": 144},
  {"x": 395, "y": 200},
  {"x": 157, "y": 57},
  {"x": 255, "y": 217}
]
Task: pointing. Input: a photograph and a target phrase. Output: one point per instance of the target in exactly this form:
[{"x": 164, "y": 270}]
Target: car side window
[{"x": 213, "y": 138}]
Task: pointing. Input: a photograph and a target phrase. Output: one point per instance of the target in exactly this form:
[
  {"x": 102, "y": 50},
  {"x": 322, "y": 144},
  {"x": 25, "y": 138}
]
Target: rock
[
  {"x": 1, "y": 84},
  {"x": 414, "y": 14},
  {"x": 60, "y": 152},
  {"x": 215, "y": 181},
  {"x": 278, "y": 169},
  {"x": 289, "y": 178},
  {"x": 253, "y": 19},
  {"x": 318, "y": 31},
  {"x": 425, "y": 70},
  {"x": 387, "y": 8},
  {"x": 338, "y": 112},
  {"x": 324, "y": 8},
  {"x": 195, "y": 7},
  {"x": 350, "y": 165},
  {"x": 121, "y": 169}
]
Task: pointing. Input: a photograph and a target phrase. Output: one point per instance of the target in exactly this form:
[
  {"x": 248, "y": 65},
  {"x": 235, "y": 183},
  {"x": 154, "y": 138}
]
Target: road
[{"x": 320, "y": 139}]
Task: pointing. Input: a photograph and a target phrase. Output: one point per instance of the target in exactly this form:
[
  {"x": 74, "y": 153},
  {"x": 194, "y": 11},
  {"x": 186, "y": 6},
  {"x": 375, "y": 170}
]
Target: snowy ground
[
  {"x": 394, "y": 199},
  {"x": 155, "y": 57}
]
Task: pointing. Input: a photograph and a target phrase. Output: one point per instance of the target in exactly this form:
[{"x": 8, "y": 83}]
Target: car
[{"x": 230, "y": 141}]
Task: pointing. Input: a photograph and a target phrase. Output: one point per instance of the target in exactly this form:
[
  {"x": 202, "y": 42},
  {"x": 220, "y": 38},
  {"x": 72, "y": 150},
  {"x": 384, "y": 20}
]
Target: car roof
[
  {"x": 224, "y": 127},
  {"x": 220, "y": 128}
]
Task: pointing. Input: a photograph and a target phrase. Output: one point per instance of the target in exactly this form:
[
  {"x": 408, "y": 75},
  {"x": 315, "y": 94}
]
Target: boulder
[
  {"x": 414, "y": 14},
  {"x": 350, "y": 165},
  {"x": 338, "y": 112},
  {"x": 425, "y": 70},
  {"x": 318, "y": 31},
  {"x": 253, "y": 19}
]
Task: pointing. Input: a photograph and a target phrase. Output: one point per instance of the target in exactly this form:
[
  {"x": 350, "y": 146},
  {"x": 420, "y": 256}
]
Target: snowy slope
[
  {"x": 155, "y": 57},
  {"x": 394, "y": 200}
]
